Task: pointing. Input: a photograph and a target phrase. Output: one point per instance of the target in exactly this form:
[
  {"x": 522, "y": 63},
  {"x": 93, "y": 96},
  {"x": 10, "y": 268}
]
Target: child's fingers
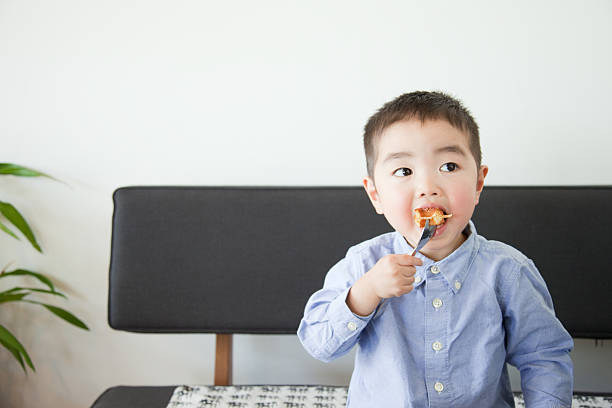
[
  {"x": 405, "y": 282},
  {"x": 406, "y": 289},
  {"x": 407, "y": 271},
  {"x": 408, "y": 279},
  {"x": 408, "y": 260}
]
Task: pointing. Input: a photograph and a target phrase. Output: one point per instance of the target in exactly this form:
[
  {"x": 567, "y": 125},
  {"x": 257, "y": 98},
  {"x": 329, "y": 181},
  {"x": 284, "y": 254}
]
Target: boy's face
[{"x": 426, "y": 165}]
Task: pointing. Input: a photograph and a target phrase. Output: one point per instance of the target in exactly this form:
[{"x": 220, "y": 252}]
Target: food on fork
[{"x": 435, "y": 216}]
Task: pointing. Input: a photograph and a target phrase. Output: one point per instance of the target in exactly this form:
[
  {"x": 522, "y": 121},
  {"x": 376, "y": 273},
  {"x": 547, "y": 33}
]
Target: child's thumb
[{"x": 407, "y": 259}]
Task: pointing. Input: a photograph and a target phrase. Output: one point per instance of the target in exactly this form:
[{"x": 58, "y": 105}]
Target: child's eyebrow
[
  {"x": 397, "y": 155},
  {"x": 452, "y": 149},
  {"x": 445, "y": 149}
]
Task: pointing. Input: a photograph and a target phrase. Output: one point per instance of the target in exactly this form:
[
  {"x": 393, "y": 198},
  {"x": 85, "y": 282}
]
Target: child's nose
[{"x": 427, "y": 187}]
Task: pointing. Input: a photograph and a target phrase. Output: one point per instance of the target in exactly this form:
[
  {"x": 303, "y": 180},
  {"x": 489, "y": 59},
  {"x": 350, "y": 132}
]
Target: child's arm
[
  {"x": 537, "y": 343},
  {"x": 392, "y": 276},
  {"x": 335, "y": 315}
]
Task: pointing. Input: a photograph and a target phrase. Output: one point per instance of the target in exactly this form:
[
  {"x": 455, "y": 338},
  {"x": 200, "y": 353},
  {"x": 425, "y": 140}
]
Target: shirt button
[
  {"x": 438, "y": 387},
  {"x": 457, "y": 285},
  {"x": 437, "y": 303},
  {"x": 417, "y": 279},
  {"x": 435, "y": 270},
  {"x": 351, "y": 326},
  {"x": 437, "y": 346}
]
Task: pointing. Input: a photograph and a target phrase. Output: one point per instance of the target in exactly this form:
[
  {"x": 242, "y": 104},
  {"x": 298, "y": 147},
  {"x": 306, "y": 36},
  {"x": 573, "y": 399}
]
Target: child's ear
[
  {"x": 482, "y": 173},
  {"x": 370, "y": 188}
]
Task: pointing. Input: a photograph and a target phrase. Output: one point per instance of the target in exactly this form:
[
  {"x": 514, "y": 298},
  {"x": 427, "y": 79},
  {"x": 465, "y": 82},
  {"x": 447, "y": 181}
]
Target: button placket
[{"x": 436, "y": 334}]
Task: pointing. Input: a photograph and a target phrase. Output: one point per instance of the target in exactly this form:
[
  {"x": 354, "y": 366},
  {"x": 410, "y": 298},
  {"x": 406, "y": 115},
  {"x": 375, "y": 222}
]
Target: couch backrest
[{"x": 246, "y": 259}]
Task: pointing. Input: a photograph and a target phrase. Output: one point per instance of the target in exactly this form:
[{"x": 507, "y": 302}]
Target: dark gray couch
[{"x": 245, "y": 260}]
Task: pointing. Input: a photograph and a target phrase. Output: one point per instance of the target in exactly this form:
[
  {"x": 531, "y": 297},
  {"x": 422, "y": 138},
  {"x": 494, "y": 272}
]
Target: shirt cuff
[{"x": 345, "y": 323}]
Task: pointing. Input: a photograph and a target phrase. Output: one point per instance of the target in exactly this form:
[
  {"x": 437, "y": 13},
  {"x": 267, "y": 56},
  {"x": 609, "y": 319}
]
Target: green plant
[{"x": 24, "y": 294}]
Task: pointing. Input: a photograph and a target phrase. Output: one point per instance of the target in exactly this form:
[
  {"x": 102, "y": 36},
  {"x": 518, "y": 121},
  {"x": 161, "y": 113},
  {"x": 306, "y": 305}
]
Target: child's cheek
[
  {"x": 403, "y": 216},
  {"x": 463, "y": 204}
]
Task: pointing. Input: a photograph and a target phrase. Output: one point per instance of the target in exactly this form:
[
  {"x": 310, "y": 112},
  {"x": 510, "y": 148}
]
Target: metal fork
[{"x": 428, "y": 232}]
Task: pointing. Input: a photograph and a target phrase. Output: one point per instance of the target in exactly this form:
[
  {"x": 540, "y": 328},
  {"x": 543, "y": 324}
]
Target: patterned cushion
[{"x": 302, "y": 396}]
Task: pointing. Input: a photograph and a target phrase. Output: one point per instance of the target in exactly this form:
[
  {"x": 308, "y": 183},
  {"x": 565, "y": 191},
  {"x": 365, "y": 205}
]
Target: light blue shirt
[{"x": 447, "y": 342}]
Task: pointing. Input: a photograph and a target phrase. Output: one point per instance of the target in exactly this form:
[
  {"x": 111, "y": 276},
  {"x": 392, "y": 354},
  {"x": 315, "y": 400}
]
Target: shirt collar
[{"x": 454, "y": 268}]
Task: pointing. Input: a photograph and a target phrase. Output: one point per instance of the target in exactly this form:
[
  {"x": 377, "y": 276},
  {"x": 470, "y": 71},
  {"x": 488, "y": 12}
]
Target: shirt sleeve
[
  {"x": 329, "y": 329},
  {"x": 537, "y": 344}
]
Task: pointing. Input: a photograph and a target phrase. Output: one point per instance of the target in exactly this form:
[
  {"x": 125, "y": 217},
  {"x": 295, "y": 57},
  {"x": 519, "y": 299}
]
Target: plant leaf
[
  {"x": 8, "y": 231},
  {"x": 14, "y": 346},
  {"x": 12, "y": 297},
  {"x": 10, "y": 291},
  {"x": 17, "y": 220},
  {"x": 61, "y": 313},
  {"x": 14, "y": 352},
  {"x": 49, "y": 292},
  {"x": 17, "y": 170},
  {"x": 38, "y": 276}
]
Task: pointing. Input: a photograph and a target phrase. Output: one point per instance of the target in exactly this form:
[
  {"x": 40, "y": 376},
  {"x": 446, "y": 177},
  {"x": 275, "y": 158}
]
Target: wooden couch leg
[{"x": 223, "y": 360}]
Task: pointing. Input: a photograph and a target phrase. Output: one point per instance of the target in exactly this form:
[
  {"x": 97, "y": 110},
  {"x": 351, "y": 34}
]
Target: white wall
[{"x": 115, "y": 93}]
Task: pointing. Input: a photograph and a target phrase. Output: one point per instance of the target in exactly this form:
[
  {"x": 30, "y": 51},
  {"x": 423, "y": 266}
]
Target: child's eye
[
  {"x": 402, "y": 172},
  {"x": 449, "y": 167}
]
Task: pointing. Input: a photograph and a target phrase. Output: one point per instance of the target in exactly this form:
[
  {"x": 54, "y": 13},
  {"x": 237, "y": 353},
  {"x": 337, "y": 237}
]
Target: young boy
[{"x": 458, "y": 311}]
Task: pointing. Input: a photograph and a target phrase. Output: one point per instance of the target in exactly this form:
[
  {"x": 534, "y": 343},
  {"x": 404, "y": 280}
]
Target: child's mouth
[
  {"x": 439, "y": 230},
  {"x": 435, "y": 216}
]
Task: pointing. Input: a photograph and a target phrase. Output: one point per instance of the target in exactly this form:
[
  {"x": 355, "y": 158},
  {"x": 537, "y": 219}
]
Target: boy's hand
[{"x": 393, "y": 275}]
